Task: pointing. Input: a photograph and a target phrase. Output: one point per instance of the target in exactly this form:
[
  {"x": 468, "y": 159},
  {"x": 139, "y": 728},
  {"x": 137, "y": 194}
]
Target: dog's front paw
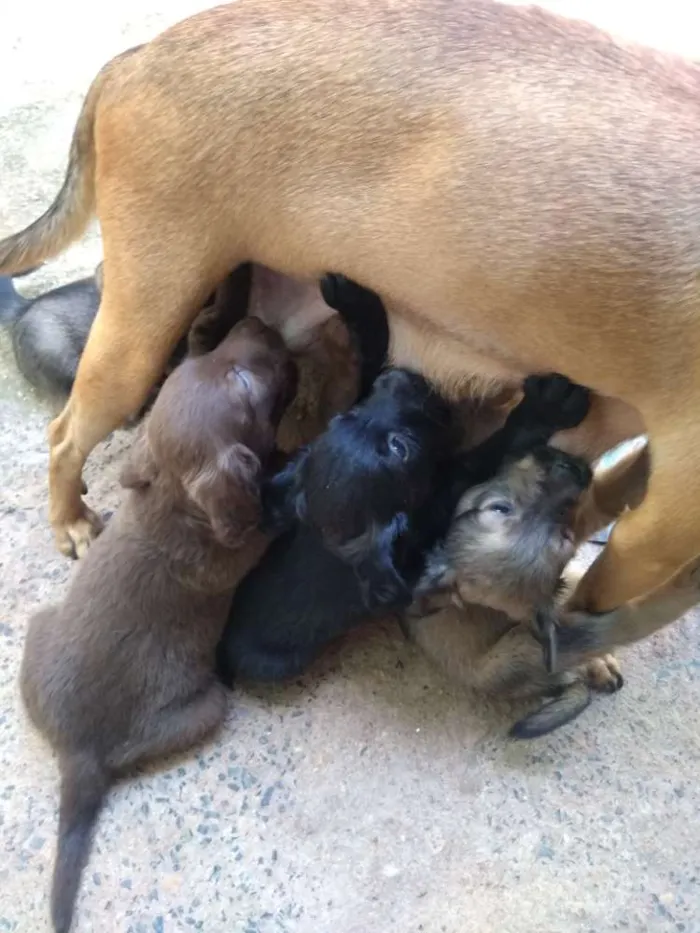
[
  {"x": 555, "y": 401},
  {"x": 603, "y": 674},
  {"x": 74, "y": 538}
]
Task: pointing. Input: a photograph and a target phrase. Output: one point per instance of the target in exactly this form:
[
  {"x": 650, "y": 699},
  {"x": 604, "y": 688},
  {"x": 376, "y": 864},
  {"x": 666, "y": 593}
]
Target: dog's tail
[
  {"x": 12, "y": 304},
  {"x": 69, "y": 215},
  {"x": 569, "y": 704},
  {"x": 84, "y": 784}
]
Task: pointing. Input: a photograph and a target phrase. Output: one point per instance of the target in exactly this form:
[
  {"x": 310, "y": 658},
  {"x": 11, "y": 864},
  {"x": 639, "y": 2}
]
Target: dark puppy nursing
[
  {"x": 360, "y": 508},
  {"x": 122, "y": 670},
  {"x": 49, "y": 332}
]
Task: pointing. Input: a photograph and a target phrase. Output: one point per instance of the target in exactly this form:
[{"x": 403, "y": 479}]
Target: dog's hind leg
[
  {"x": 174, "y": 728},
  {"x": 153, "y": 289},
  {"x": 650, "y": 543},
  {"x": 614, "y": 489},
  {"x": 582, "y": 635}
]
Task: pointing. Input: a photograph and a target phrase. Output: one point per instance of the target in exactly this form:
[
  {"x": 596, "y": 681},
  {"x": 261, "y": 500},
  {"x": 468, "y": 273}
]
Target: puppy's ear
[
  {"x": 282, "y": 496},
  {"x": 140, "y": 469},
  {"x": 228, "y": 492},
  {"x": 380, "y": 581}
]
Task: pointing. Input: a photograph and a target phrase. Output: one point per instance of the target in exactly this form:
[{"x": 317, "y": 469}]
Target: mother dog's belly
[{"x": 468, "y": 364}]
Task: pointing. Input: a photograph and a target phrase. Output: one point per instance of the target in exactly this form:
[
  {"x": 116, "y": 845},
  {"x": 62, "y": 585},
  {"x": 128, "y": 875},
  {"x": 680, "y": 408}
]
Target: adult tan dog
[{"x": 522, "y": 189}]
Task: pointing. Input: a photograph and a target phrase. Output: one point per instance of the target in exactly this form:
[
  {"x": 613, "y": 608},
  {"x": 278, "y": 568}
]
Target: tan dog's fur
[
  {"x": 521, "y": 189},
  {"x": 122, "y": 671}
]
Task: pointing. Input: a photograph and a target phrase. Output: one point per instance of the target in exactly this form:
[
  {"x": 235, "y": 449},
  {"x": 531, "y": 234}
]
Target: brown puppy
[
  {"x": 502, "y": 560},
  {"x": 444, "y": 153},
  {"x": 122, "y": 670},
  {"x": 326, "y": 362}
]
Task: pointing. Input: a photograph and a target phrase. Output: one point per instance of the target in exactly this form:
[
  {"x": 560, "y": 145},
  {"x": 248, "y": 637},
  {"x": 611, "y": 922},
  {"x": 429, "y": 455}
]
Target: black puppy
[{"x": 360, "y": 507}]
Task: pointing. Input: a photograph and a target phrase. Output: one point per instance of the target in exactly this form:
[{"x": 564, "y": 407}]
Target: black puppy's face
[
  {"x": 370, "y": 469},
  {"x": 378, "y": 460}
]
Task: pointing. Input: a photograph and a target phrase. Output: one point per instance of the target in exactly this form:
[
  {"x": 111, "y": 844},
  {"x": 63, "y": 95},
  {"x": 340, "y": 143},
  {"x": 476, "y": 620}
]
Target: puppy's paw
[
  {"x": 206, "y": 332},
  {"x": 603, "y": 674},
  {"x": 74, "y": 538},
  {"x": 340, "y": 292},
  {"x": 555, "y": 401}
]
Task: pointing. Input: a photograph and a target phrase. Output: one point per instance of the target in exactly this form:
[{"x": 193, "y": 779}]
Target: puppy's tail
[
  {"x": 69, "y": 215},
  {"x": 84, "y": 784},
  {"x": 12, "y": 304},
  {"x": 570, "y": 703}
]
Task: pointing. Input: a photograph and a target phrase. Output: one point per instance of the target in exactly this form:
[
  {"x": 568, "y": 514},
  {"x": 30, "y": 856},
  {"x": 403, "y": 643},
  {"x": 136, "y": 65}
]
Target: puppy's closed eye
[
  {"x": 241, "y": 377},
  {"x": 500, "y": 508}
]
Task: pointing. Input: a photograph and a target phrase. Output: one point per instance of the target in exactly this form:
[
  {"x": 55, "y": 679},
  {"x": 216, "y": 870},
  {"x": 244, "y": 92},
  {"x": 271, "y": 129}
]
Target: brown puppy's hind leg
[
  {"x": 175, "y": 728},
  {"x": 85, "y": 781},
  {"x": 145, "y": 309}
]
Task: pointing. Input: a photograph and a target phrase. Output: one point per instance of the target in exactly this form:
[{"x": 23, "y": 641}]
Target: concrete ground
[{"x": 371, "y": 796}]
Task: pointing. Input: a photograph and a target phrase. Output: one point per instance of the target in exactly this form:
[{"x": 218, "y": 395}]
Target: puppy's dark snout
[
  {"x": 571, "y": 469},
  {"x": 563, "y": 509}
]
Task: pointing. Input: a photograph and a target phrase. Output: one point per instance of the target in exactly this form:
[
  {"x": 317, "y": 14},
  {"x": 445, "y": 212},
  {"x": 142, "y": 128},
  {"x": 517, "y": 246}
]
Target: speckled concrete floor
[{"x": 370, "y": 795}]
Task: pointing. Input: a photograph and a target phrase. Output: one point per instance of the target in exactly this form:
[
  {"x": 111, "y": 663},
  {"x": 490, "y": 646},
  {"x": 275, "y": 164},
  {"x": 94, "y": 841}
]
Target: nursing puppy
[
  {"x": 501, "y": 561},
  {"x": 359, "y": 508},
  {"x": 122, "y": 670},
  {"x": 362, "y": 550}
]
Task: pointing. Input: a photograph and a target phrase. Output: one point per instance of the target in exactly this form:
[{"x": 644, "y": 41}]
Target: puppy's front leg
[
  {"x": 550, "y": 404},
  {"x": 365, "y": 317},
  {"x": 229, "y": 306}
]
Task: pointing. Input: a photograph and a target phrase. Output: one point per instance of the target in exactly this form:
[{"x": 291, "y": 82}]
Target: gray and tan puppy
[
  {"x": 49, "y": 332},
  {"x": 503, "y": 559}
]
